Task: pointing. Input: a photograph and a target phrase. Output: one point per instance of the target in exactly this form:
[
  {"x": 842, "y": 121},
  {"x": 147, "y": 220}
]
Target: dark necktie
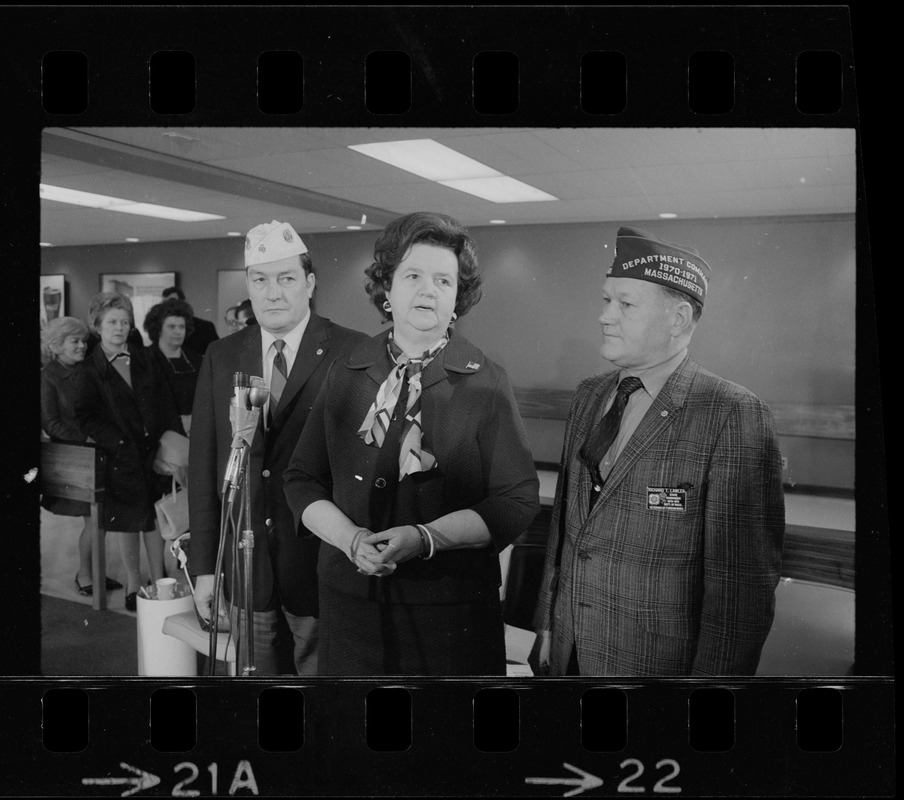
[
  {"x": 278, "y": 377},
  {"x": 600, "y": 440}
]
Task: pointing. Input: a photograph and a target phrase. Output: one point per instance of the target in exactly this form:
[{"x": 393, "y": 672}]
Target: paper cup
[{"x": 166, "y": 588}]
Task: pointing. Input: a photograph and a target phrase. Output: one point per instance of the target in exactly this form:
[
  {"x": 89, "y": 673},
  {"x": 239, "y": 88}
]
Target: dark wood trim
[
  {"x": 836, "y": 492},
  {"x": 812, "y": 420},
  {"x": 76, "y": 472}
]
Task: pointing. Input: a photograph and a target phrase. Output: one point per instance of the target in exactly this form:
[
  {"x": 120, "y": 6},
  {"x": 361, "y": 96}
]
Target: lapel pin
[
  {"x": 320, "y": 351},
  {"x": 472, "y": 365}
]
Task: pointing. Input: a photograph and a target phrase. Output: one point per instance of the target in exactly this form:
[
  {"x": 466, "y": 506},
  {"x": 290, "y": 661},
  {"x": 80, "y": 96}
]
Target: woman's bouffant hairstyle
[
  {"x": 104, "y": 302},
  {"x": 55, "y": 333},
  {"x": 424, "y": 227},
  {"x": 156, "y": 316}
]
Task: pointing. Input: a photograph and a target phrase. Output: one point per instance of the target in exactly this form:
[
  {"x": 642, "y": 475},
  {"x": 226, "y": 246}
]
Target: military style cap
[
  {"x": 644, "y": 257},
  {"x": 270, "y": 242}
]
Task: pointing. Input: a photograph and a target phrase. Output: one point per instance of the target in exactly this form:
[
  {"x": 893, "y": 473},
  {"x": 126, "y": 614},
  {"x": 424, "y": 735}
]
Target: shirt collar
[
  {"x": 109, "y": 355},
  {"x": 292, "y": 338},
  {"x": 654, "y": 378}
]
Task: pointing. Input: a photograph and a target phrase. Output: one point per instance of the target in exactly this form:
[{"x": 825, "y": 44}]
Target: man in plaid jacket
[{"x": 665, "y": 544}]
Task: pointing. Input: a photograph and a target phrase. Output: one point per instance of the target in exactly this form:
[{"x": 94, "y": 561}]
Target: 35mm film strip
[
  {"x": 409, "y": 67},
  {"x": 450, "y": 738}
]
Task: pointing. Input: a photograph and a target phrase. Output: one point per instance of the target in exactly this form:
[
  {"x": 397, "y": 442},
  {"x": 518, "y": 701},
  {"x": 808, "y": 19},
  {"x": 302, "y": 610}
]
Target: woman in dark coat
[
  {"x": 63, "y": 347},
  {"x": 168, "y": 325},
  {"x": 125, "y": 406},
  {"x": 414, "y": 466}
]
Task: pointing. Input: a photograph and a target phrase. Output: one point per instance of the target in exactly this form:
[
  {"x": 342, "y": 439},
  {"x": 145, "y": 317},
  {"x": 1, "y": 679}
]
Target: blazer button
[
  {"x": 268, "y": 522},
  {"x": 380, "y": 483},
  {"x": 266, "y": 473}
]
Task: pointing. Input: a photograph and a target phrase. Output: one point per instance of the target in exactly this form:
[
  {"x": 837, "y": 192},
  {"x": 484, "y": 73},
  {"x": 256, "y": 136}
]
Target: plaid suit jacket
[{"x": 644, "y": 590}]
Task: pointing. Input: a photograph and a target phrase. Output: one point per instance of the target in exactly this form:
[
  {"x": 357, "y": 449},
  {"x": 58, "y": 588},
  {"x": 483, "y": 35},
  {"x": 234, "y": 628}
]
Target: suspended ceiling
[{"x": 309, "y": 177}]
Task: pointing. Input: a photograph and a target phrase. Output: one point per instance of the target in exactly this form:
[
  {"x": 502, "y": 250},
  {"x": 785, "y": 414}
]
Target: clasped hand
[{"x": 379, "y": 553}]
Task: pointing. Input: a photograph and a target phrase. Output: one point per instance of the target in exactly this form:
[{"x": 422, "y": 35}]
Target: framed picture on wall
[
  {"x": 144, "y": 289},
  {"x": 231, "y": 290},
  {"x": 53, "y": 297}
]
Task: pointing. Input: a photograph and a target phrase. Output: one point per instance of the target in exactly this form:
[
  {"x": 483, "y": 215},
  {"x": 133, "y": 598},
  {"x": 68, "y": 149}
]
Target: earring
[
  {"x": 387, "y": 306},
  {"x": 454, "y": 316}
]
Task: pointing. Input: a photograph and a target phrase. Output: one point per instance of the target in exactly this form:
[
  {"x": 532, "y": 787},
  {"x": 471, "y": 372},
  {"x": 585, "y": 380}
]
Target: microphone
[
  {"x": 240, "y": 388},
  {"x": 259, "y": 392},
  {"x": 249, "y": 395},
  {"x": 238, "y": 403}
]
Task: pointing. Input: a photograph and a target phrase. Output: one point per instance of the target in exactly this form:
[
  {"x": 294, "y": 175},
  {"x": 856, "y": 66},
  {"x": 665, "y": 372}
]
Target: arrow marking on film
[
  {"x": 145, "y": 780},
  {"x": 586, "y": 781}
]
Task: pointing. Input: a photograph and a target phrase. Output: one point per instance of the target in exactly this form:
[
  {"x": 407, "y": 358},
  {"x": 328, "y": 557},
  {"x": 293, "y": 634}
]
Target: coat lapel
[
  {"x": 458, "y": 356},
  {"x": 251, "y": 351},
  {"x": 670, "y": 399},
  {"x": 313, "y": 349},
  {"x": 252, "y": 362},
  {"x": 598, "y": 404}
]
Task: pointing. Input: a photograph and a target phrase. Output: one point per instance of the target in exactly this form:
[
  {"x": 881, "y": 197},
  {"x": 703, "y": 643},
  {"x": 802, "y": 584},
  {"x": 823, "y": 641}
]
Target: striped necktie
[
  {"x": 599, "y": 441},
  {"x": 278, "y": 376}
]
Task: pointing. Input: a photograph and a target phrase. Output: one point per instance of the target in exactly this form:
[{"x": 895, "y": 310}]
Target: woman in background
[
  {"x": 63, "y": 347},
  {"x": 414, "y": 466},
  {"x": 125, "y": 406},
  {"x": 244, "y": 315},
  {"x": 232, "y": 323},
  {"x": 168, "y": 324}
]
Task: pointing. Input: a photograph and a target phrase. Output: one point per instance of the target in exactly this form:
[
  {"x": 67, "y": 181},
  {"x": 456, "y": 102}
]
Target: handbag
[
  {"x": 172, "y": 512},
  {"x": 171, "y": 457}
]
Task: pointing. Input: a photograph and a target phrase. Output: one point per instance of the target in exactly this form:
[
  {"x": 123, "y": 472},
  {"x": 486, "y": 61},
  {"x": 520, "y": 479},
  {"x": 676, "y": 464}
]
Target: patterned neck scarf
[{"x": 412, "y": 456}]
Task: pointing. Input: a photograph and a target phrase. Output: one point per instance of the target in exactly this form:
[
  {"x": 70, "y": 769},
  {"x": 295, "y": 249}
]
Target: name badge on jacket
[{"x": 660, "y": 498}]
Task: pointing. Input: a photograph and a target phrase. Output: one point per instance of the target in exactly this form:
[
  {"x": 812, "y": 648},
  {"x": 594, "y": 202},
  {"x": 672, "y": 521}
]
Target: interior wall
[{"x": 779, "y": 315}]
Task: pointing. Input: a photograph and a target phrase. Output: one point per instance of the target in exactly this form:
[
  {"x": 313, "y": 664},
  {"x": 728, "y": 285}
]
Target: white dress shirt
[
  {"x": 268, "y": 352},
  {"x": 639, "y": 402}
]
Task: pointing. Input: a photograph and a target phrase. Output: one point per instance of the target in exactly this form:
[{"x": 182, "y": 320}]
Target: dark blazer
[
  {"x": 472, "y": 426},
  {"x": 127, "y": 424},
  {"x": 284, "y": 565},
  {"x": 60, "y": 387},
  {"x": 645, "y": 590},
  {"x": 59, "y": 390},
  {"x": 182, "y": 386},
  {"x": 204, "y": 334}
]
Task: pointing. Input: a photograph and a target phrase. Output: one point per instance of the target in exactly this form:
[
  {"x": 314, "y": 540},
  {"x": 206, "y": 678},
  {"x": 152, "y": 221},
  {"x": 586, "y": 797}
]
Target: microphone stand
[
  {"x": 247, "y": 546},
  {"x": 256, "y": 398}
]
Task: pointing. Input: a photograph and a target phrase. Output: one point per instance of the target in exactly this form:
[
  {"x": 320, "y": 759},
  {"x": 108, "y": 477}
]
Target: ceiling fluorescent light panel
[
  {"x": 500, "y": 190},
  {"x": 436, "y": 162},
  {"x": 106, "y": 203},
  {"x": 426, "y": 158}
]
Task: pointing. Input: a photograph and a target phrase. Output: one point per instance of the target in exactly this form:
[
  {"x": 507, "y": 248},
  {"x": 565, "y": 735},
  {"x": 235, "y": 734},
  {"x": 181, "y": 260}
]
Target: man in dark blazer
[
  {"x": 204, "y": 333},
  {"x": 289, "y": 340},
  {"x": 666, "y": 535}
]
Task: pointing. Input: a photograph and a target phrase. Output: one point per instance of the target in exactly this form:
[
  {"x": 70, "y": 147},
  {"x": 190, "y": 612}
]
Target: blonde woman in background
[{"x": 63, "y": 347}]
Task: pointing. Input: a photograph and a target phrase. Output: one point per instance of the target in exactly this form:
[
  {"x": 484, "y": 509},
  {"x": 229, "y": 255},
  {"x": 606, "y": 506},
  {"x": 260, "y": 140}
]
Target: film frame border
[{"x": 338, "y": 39}]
